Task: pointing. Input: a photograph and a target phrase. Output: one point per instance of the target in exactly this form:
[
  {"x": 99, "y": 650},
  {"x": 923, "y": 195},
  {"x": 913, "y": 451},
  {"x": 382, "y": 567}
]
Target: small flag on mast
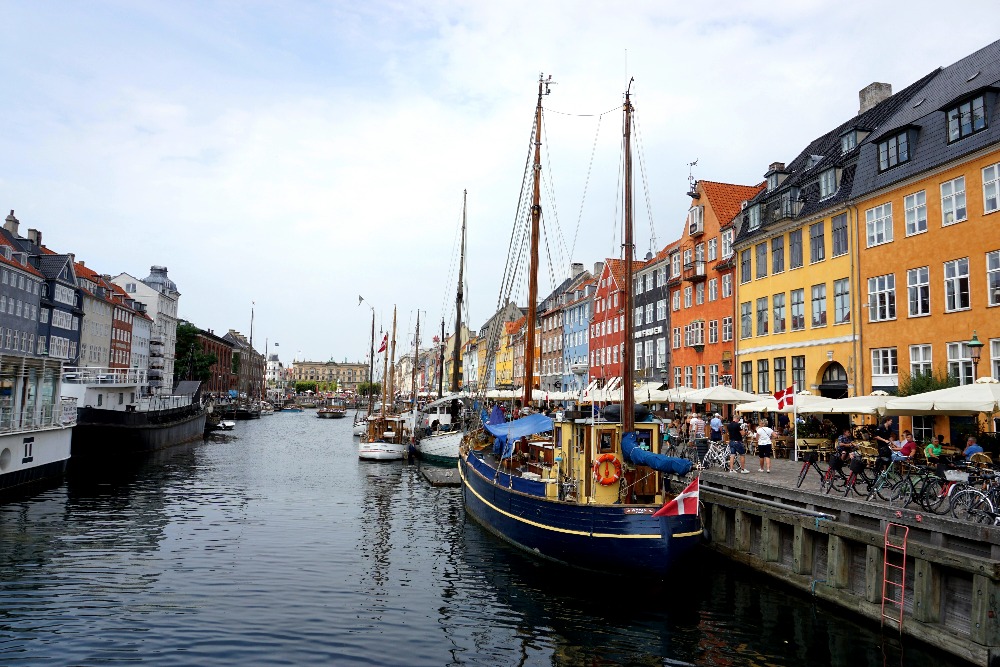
[
  {"x": 385, "y": 341},
  {"x": 686, "y": 502}
]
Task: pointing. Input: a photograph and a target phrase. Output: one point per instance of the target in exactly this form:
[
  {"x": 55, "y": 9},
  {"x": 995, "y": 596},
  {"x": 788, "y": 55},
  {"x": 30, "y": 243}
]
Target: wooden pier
[
  {"x": 441, "y": 476},
  {"x": 834, "y": 548}
]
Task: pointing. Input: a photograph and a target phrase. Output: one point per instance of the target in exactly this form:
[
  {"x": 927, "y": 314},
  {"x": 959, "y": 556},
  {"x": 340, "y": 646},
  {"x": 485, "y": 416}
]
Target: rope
[
  {"x": 645, "y": 182},
  {"x": 583, "y": 115},
  {"x": 586, "y": 184}
]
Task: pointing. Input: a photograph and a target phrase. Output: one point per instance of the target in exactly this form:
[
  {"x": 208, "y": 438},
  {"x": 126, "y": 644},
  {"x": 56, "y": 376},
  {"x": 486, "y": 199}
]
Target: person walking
[
  {"x": 697, "y": 426},
  {"x": 736, "y": 446},
  {"x": 715, "y": 428},
  {"x": 764, "y": 446}
]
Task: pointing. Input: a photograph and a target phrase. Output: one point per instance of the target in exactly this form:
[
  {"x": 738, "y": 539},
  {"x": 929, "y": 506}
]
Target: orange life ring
[{"x": 607, "y": 478}]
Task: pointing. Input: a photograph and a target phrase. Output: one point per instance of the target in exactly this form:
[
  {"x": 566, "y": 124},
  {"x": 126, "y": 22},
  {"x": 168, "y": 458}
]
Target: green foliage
[
  {"x": 302, "y": 387},
  {"x": 923, "y": 382},
  {"x": 236, "y": 364},
  {"x": 191, "y": 361},
  {"x": 369, "y": 388}
]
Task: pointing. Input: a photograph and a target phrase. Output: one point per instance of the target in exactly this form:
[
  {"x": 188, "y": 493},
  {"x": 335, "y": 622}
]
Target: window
[
  {"x": 923, "y": 428},
  {"x": 701, "y": 377},
  {"x": 727, "y": 285},
  {"x": 661, "y": 310},
  {"x": 713, "y": 375},
  {"x": 827, "y": 183},
  {"x": 649, "y": 354},
  {"x": 649, "y": 313},
  {"x": 727, "y": 244},
  {"x": 884, "y": 370},
  {"x": 799, "y": 372},
  {"x": 753, "y": 217},
  {"x": 638, "y": 356},
  {"x": 915, "y": 212},
  {"x": 745, "y": 266},
  {"x": 953, "y": 201},
  {"x": 688, "y": 258},
  {"x": 893, "y": 151},
  {"x": 918, "y": 291},
  {"x": 677, "y": 337},
  {"x": 920, "y": 360},
  {"x": 841, "y": 301},
  {"x": 713, "y": 289},
  {"x": 819, "y": 305},
  {"x": 795, "y": 249},
  {"x": 687, "y": 296},
  {"x": 778, "y": 254},
  {"x": 762, "y": 260},
  {"x": 847, "y": 144},
  {"x": 746, "y": 320},
  {"x": 778, "y": 301},
  {"x": 762, "y": 316},
  {"x": 675, "y": 300},
  {"x": 677, "y": 376},
  {"x": 993, "y": 278},
  {"x": 956, "y": 285},
  {"x": 688, "y": 376},
  {"x": 746, "y": 375},
  {"x": 995, "y": 357},
  {"x": 763, "y": 377},
  {"x": 967, "y": 118},
  {"x": 661, "y": 276},
  {"x": 713, "y": 249},
  {"x": 675, "y": 264},
  {"x": 699, "y": 294},
  {"x": 960, "y": 363},
  {"x": 649, "y": 281},
  {"x": 713, "y": 331},
  {"x": 727, "y": 329},
  {"x": 661, "y": 353},
  {"x": 878, "y": 221},
  {"x": 991, "y": 188},
  {"x": 798, "y": 303},
  {"x": 817, "y": 243},
  {"x": 882, "y": 298},
  {"x": 779, "y": 374}
]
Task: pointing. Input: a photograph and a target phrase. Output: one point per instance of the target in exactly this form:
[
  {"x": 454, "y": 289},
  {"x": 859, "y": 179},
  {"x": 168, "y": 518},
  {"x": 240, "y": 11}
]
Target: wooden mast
[
  {"x": 371, "y": 368},
  {"x": 536, "y": 215},
  {"x": 456, "y": 370},
  {"x": 392, "y": 366},
  {"x": 628, "y": 391},
  {"x": 413, "y": 378},
  {"x": 385, "y": 364},
  {"x": 441, "y": 363}
]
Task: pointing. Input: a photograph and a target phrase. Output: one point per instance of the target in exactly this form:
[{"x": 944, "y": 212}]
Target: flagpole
[{"x": 795, "y": 422}]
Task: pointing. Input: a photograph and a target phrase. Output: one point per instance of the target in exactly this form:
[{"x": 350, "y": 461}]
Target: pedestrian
[
  {"x": 764, "y": 452},
  {"x": 697, "y": 426},
  {"x": 736, "y": 446},
  {"x": 715, "y": 426}
]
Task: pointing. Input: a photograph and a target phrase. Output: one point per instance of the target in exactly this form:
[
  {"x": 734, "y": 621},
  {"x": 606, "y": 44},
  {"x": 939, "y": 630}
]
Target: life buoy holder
[{"x": 603, "y": 467}]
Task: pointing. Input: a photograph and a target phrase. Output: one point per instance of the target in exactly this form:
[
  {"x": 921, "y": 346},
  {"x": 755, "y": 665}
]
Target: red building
[
  {"x": 607, "y": 323},
  {"x": 121, "y": 326}
]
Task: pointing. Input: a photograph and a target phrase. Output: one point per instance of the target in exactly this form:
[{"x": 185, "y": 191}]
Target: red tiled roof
[
  {"x": 28, "y": 268},
  {"x": 515, "y": 326},
  {"x": 727, "y": 198},
  {"x": 616, "y": 267}
]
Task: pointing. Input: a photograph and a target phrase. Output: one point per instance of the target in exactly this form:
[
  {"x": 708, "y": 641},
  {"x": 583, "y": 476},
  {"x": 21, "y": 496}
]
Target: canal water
[{"x": 274, "y": 545}]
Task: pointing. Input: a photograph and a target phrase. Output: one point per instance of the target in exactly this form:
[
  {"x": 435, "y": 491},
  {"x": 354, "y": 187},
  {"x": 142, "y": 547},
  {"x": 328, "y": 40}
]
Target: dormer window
[
  {"x": 6, "y": 252},
  {"x": 894, "y": 150},
  {"x": 772, "y": 182},
  {"x": 966, "y": 118},
  {"x": 827, "y": 183},
  {"x": 753, "y": 217},
  {"x": 696, "y": 220},
  {"x": 848, "y": 142}
]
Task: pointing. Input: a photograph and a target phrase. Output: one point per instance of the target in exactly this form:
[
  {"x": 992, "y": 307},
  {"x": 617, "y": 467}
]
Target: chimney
[
  {"x": 873, "y": 94},
  {"x": 35, "y": 237},
  {"x": 575, "y": 269},
  {"x": 10, "y": 224},
  {"x": 82, "y": 264},
  {"x": 598, "y": 267},
  {"x": 776, "y": 166}
]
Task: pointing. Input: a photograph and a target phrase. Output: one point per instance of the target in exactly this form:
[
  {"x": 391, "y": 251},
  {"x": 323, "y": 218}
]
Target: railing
[
  {"x": 38, "y": 417},
  {"x": 694, "y": 271},
  {"x": 86, "y": 375}
]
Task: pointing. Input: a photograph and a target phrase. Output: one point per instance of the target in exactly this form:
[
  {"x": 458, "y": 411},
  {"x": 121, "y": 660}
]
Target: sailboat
[
  {"x": 443, "y": 446},
  {"x": 361, "y": 420},
  {"x": 387, "y": 436},
  {"x": 582, "y": 493}
]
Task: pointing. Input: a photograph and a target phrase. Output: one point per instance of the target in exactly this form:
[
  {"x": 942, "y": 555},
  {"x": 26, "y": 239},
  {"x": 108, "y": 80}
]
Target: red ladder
[{"x": 894, "y": 573}]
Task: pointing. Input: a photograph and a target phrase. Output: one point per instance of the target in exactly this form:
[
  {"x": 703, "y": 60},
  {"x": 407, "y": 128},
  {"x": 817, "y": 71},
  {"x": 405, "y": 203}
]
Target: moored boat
[
  {"x": 582, "y": 493},
  {"x": 334, "y": 409},
  {"x": 387, "y": 439}
]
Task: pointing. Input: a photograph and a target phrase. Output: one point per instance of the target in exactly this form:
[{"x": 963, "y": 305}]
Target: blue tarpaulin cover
[
  {"x": 508, "y": 432},
  {"x": 640, "y": 457}
]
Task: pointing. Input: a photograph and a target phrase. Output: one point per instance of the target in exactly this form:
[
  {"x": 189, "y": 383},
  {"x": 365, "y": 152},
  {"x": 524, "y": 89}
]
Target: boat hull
[
  {"x": 108, "y": 432},
  {"x": 601, "y": 538},
  {"x": 22, "y": 466},
  {"x": 381, "y": 451},
  {"x": 440, "y": 448}
]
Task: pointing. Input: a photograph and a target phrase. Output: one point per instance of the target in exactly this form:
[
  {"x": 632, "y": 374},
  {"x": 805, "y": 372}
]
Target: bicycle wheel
[
  {"x": 902, "y": 492},
  {"x": 863, "y": 483},
  {"x": 837, "y": 483},
  {"x": 931, "y": 494},
  {"x": 971, "y": 505},
  {"x": 802, "y": 475}
]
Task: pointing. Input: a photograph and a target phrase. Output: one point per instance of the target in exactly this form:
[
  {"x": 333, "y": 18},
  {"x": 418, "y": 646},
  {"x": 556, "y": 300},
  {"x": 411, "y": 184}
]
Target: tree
[
  {"x": 192, "y": 361},
  {"x": 922, "y": 382},
  {"x": 369, "y": 388},
  {"x": 301, "y": 387}
]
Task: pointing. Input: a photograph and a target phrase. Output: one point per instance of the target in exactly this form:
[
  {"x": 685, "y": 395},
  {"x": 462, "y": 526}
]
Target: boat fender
[{"x": 603, "y": 473}]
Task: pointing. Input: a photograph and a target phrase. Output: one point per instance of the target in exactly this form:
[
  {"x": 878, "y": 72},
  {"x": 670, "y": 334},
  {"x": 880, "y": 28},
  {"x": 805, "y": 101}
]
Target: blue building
[{"x": 576, "y": 334}]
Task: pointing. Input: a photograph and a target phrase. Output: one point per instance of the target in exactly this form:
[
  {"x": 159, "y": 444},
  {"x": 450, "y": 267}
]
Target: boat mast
[
  {"x": 536, "y": 215},
  {"x": 441, "y": 363},
  {"x": 456, "y": 371},
  {"x": 385, "y": 363},
  {"x": 392, "y": 366},
  {"x": 628, "y": 391},
  {"x": 416, "y": 354},
  {"x": 371, "y": 368}
]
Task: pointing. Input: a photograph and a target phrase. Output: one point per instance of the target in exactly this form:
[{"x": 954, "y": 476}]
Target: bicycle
[
  {"x": 810, "y": 462},
  {"x": 717, "y": 455}
]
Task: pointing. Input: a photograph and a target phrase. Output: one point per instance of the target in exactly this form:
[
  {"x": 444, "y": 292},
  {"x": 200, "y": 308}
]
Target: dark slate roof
[
  {"x": 51, "y": 266},
  {"x": 927, "y": 114},
  {"x": 824, "y": 153}
]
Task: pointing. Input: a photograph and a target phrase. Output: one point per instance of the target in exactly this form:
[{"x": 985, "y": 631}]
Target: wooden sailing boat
[
  {"x": 442, "y": 447},
  {"x": 387, "y": 436},
  {"x": 361, "y": 421},
  {"x": 581, "y": 493}
]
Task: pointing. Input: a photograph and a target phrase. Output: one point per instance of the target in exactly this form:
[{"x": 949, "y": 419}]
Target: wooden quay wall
[{"x": 833, "y": 547}]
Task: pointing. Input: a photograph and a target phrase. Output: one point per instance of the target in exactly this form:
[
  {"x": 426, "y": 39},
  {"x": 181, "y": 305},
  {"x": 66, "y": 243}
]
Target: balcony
[
  {"x": 579, "y": 369},
  {"x": 155, "y": 363},
  {"x": 694, "y": 271},
  {"x": 156, "y": 339}
]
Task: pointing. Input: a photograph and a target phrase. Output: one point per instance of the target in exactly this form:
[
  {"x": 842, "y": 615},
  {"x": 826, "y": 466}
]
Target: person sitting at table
[
  {"x": 906, "y": 450},
  {"x": 844, "y": 451},
  {"x": 933, "y": 449},
  {"x": 971, "y": 447}
]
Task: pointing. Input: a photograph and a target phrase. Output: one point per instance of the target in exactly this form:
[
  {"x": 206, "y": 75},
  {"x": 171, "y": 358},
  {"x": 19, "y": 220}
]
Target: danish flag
[
  {"x": 686, "y": 502},
  {"x": 785, "y": 397},
  {"x": 385, "y": 340}
]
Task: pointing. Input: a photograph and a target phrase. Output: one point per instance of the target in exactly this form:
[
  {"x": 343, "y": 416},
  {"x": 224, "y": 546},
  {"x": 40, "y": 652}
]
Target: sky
[{"x": 284, "y": 158}]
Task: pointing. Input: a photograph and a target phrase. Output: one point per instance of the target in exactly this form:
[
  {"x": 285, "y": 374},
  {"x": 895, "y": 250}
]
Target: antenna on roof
[{"x": 691, "y": 178}]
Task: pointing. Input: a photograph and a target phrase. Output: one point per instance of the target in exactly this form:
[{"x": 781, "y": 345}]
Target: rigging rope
[
  {"x": 586, "y": 184},
  {"x": 583, "y": 115},
  {"x": 645, "y": 184},
  {"x": 550, "y": 189}
]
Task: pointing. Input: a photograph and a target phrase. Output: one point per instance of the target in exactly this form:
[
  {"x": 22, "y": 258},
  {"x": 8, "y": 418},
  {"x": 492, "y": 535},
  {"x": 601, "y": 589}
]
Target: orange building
[{"x": 700, "y": 279}]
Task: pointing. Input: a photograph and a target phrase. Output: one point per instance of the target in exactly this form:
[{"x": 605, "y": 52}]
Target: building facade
[
  {"x": 576, "y": 334},
  {"x": 160, "y": 296}
]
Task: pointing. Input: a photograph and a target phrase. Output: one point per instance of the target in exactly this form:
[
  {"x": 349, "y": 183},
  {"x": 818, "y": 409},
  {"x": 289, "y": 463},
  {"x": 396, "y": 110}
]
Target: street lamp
[{"x": 975, "y": 351}]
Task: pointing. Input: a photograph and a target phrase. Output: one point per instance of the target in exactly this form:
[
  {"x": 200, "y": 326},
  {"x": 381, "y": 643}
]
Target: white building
[
  {"x": 98, "y": 311},
  {"x": 160, "y": 296}
]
